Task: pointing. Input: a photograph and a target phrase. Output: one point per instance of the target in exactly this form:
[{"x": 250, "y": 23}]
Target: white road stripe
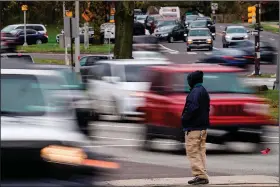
[
  {"x": 208, "y": 53},
  {"x": 270, "y": 137},
  {"x": 271, "y": 38},
  {"x": 191, "y": 53},
  {"x": 167, "y": 48}
]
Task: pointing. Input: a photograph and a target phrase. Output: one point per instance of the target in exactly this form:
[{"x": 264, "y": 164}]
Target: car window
[
  {"x": 38, "y": 28},
  {"x": 198, "y": 24},
  {"x": 236, "y": 30},
  {"x": 133, "y": 73},
  {"x": 16, "y": 31},
  {"x": 191, "y": 17},
  {"x": 19, "y": 94},
  {"x": 29, "y": 27},
  {"x": 8, "y": 28},
  {"x": 83, "y": 61},
  {"x": 212, "y": 82},
  {"x": 143, "y": 55},
  {"x": 91, "y": 60},
  {"x": 199, "y": 32},
  {"x": 157, "y": 81},
  {"x": 21, "y": 27},
  {"x": 31, "y": 32},
  {"x": 105, "y": 70},
  {"x": 165, "y": 23}
]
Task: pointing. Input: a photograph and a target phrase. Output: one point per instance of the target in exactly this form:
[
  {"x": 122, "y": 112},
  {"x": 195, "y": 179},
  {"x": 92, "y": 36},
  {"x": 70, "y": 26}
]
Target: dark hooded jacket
[{"x": 195, "y": 115}]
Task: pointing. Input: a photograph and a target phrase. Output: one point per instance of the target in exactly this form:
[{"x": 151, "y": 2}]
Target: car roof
[
  {"x": 194, "y": 67},
  {"x": 14, "y": 54},
  {"x": 134, "y": 62},
  {"x": 33, "y": 24},
  {"x": 200, "y": 20}
]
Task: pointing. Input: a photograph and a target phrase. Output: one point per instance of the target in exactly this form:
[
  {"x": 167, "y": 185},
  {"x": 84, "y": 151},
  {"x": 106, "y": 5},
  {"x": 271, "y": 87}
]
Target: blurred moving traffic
[{"x": 50, "y": 114}]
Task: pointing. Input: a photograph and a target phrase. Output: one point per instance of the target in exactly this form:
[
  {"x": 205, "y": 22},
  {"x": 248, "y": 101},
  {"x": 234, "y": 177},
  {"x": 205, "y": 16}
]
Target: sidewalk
[{"x": 249, "y": 180}]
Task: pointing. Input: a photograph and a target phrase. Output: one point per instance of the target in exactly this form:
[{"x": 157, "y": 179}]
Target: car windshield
[
  {"x": 165, "y": 23},
  {"x": 191, "y": 17},
  {"x": 199, "y": 33},
  {"x": 213, "y": 82},
  {"x": 198, "y": 24},
  {"x": 236, "y": 30},
  {"x": 26, "y": 95},
  {"x": 141, "y": 17},
  {"x": 9, "y": 28}
]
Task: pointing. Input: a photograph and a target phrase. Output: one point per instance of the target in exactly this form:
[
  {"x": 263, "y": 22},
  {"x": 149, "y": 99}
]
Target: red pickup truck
[{"x": 236, "y": 112}]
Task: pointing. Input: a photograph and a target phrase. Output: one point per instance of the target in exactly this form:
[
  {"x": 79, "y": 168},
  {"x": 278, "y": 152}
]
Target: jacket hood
[{"x": 195, "y": 78}]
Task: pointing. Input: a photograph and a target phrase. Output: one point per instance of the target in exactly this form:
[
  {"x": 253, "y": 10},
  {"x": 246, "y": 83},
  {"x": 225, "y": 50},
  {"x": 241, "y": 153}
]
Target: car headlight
[
  {"x": 256, "y": 108},
  {"x": 190, "y": 41},
  {"x": 227, "y": 37},
  {"x": 246, "y": 37},
  {"x": 209, "y": 41},
  {"x": 73, "y": 156},
  {"x": 63, "y": 154}
]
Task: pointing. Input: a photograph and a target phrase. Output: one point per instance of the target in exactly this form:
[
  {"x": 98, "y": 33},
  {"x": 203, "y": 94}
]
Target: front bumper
[
  {"x": 230, "y": 42},
  {"x": 161, "y": 35},
  {"x": 199, "y": 46}
]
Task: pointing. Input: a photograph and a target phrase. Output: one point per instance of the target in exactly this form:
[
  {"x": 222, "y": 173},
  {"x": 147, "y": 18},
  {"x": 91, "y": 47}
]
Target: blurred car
[
  {"x": 90, "y": 60},
  {"x": 78, "y": 96},
  {"x": 16, "y": 37},
  {"x": 148, "y": 55},
  {"x": 199, "y": 38},
  {"x": 141, "y": 18},
  {"x": 8, "y": 44},
  {"x": 189, "y": 19},
  {"x": 234, "y": 34},
  {"x": 236, "y": 114},
  {"x": 37, "y": 27},
  {"x": 22, "y": 58},
  {"x": 150, "y": 22},
  {"x": 112, "y": 84},
  {"x": 203, "y": 24},
  {"x": 82, "y": 37},
  {"x": 40, "y": 142},
  {"x": 229, "y": 57},
  {"x": 267, "y": 51},
  {"x": 145, "y": 43},
  {"x": 138, "y": 29}
]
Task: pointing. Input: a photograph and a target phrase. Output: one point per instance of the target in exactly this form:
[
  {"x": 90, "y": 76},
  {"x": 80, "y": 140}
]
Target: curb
[{"x": 249, "y": 180}]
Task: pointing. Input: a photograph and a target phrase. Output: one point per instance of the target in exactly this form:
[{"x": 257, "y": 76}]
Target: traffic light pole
[{"x": 257, "y": 41}]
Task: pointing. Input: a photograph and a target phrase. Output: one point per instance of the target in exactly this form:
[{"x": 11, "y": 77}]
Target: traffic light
[{"x": 252, "y": 14}]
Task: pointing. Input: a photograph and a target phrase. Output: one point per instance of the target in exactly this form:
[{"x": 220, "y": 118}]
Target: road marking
[
  {"x": 174, "y": 52},
  {"x": 167, "y": 48},
  {"x": 270, "y": 137},
  {"x": 208, "y": 53},
  {"x": 191, "y": 53},
  {"x": 216, "y": 48},
  {"x": 272, "y": 39}
]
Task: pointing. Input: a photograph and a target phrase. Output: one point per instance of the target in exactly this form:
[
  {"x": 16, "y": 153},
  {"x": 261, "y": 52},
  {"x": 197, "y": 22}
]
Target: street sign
[
  {"x": 214, "y": 6},
  {"x": 69, "y": 13},
  {"x": 24, "y": 7},
  {"x": 75, "y": 30}
]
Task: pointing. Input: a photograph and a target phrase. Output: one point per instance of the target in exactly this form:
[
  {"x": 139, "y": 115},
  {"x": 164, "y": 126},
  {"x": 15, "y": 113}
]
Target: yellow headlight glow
[
  {"x": 209, "y": 41},
  {"x": 63, "y": 154}
]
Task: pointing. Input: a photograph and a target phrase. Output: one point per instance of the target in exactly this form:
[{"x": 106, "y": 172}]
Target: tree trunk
[{"x": 124, "y": 19}]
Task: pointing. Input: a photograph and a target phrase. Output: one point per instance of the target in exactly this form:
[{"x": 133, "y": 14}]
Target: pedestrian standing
[{"x": 195, "y": 121}]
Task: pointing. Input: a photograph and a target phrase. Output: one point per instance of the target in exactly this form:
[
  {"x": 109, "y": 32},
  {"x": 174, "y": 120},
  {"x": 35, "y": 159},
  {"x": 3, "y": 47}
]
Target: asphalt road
[
  {"x": 124, "y": 140},
  {"x": 180, "y": 55}
]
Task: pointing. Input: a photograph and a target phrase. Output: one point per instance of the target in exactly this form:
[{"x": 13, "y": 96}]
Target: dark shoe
[{"x": 197, "y": 181}]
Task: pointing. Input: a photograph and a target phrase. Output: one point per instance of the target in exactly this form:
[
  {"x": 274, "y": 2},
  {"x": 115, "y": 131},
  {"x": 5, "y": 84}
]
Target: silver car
[
  {"x": 199, "y": 38},
  {"x": 233, "y": 34}
]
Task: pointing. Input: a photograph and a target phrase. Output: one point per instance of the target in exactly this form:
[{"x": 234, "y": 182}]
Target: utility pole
[
  {"x": 257, "y": 40},
  {"x": 277, "y": 86},
  {"x": 24, "y": 8},
  {"x": 77, "y": 39}
]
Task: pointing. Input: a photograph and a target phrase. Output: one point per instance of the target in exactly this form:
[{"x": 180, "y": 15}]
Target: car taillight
[{"x": 228, "y": 57}]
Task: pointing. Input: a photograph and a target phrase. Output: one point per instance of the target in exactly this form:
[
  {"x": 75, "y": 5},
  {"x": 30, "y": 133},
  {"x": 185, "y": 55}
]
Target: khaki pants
[{"x": 196, "y": 152}]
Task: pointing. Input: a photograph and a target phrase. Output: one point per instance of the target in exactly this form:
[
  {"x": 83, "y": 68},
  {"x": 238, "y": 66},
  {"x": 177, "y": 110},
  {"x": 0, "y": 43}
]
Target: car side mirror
[
  {"x": 185, "y": 35},
  {"x": 208, "y": 25}
]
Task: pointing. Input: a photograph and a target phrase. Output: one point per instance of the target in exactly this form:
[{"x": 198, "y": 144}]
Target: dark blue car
[
  {"x": 32, "y": 37},
  {"x": 229, "y": 57}
]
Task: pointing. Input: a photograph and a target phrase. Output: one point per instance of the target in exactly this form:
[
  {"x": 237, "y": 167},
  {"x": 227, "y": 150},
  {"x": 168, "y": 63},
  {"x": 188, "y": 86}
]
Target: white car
[
  {"x": 148, "y": 55},
  {"x": 114, "y": 86},
  {"x": 141, "y": 18}
]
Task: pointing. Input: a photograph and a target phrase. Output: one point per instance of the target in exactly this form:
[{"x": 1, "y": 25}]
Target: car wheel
[
  {"x": 171, "y": 39},
  {"x": 39, "y": 41}
]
